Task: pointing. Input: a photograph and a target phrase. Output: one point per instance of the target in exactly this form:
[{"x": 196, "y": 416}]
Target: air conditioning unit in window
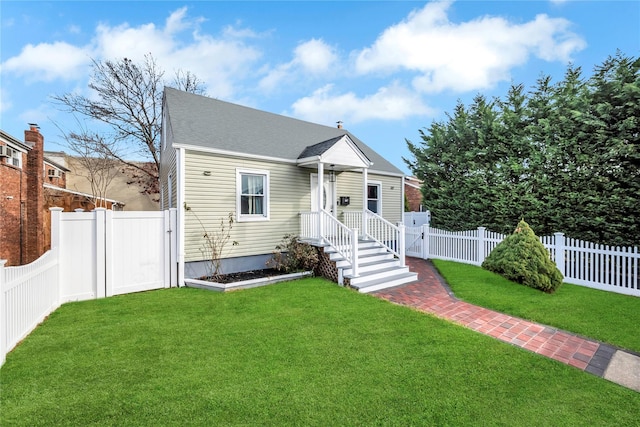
[
  {"x": 54, "y": 173},
  {"x": 6, "y": 151}
]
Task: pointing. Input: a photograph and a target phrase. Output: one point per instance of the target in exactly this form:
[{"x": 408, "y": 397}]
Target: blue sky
[{"x": 386, "y": 69}]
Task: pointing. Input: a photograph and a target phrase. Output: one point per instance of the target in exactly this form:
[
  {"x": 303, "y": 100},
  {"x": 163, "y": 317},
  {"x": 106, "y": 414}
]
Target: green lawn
[
  {"x": 605, "y": 316},
  {"x": 299, "y": 353}
]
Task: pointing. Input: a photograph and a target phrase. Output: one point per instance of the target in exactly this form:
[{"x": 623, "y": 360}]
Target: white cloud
[
  {"x": 310, "y": 58},
  {"x": 315, "y": 56},
  {"x": 49, "y": 61},
  {"x": 388, "y": 103},
  {"x": 219, "y": 62},
  {"x": 43, "y": 113},
  {"x": 465, "y": 56},
  {"x": 176, "y": 21}
]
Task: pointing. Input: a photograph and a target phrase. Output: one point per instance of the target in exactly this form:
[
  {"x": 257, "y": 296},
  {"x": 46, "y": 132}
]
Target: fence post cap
[{"x": 56, "y": 209}]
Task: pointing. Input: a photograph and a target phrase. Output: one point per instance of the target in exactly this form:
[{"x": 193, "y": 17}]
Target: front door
[{"x": 328, "y": 194}]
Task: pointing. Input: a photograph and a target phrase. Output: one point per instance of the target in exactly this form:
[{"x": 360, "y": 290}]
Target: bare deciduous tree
[
  {"x": 129, "y": 100},
  {"x": 96, "y": 156}
]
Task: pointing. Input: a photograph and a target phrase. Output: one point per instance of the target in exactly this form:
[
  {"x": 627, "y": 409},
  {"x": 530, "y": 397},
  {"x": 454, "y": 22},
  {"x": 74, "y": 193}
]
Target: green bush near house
[
  {"x": 292, "y": 255},
  {"x": 522, "y": 258}
]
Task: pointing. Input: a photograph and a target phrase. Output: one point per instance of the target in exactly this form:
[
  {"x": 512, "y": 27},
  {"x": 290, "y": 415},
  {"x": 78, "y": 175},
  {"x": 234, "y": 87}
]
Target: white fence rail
[
  {"x": 94, "y": 254},
  {"x": 614, "y": 269}
]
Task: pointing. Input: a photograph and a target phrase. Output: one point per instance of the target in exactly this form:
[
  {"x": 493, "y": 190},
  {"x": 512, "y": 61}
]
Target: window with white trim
[
  {"x": 16, "y": 159},
  {"x": 373, "y": 197},
  {"x": 252, "y": 193}
]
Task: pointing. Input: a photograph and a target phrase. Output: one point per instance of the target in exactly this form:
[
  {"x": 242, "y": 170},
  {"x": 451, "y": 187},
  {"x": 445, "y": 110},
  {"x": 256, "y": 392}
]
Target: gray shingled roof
[
  {"x": 201, "y": 121},
  {"x": 319, "y": 148}
]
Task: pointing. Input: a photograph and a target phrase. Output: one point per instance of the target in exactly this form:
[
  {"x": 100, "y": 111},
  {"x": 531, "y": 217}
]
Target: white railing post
[
  {"x": 481, "y": 239},
  {"x": 401, "y": 248},
  {"x": 425, "y": 241},
  {"x": 3, "y": 313},
  {"x": 559, "y": 244},
  {"x": 365, "y": 194},
  {"x": 320, "y": 200},
  {"x": 354, "y": 252}
]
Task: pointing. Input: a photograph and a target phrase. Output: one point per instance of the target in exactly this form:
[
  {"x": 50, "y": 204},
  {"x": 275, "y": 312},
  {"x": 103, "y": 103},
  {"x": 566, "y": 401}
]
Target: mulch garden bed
[{"x": 244, "y": 275}]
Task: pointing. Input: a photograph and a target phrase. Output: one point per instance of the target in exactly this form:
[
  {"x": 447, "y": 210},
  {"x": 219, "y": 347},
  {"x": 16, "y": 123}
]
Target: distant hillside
[{"x": 130, "y": 186}]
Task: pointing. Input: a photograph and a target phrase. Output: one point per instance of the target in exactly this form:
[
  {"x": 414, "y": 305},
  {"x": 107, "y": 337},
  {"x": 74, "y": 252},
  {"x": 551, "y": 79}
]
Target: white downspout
[{"x": 180, "y": 187}]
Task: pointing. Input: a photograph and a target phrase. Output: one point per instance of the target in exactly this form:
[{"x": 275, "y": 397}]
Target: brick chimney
[
  {"x": 34, "y": 241},
  {"x": 339, "y": 124}
]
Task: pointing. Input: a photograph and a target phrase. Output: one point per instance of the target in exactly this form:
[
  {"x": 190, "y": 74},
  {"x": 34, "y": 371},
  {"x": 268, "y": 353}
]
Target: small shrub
[
  {"x": 291, "y": 255},
  {"x": 522, "y": 258},
  {"x": 214, "y": 242}
]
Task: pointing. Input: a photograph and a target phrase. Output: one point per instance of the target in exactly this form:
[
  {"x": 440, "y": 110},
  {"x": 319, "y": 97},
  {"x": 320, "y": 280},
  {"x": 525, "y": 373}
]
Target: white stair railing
[
  {"x": 387, "y": 234},
  {"x": 309, "y": 226},
  {"x": 337, "y": 235},
  {"x": 341, "y": 238},
  {"x": 379, "y": 229}
]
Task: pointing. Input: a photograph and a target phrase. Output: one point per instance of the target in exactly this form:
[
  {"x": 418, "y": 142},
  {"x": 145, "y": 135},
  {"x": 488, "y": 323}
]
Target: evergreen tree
[{"x": 565, "y": 156}]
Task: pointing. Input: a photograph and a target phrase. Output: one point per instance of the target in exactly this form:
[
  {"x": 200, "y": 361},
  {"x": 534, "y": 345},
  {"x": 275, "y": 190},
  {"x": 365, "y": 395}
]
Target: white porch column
[
  {"x": 365, "y": 193},
  {"x": 319, "y": 198}
]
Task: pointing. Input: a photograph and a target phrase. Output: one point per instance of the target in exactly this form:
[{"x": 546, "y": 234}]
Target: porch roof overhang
[{"x": 340, "y": 152}]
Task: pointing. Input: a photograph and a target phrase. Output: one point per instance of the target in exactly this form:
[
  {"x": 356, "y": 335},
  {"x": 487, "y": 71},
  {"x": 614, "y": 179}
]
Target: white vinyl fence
[
  {"x": 607, "y": 268},
  {"x": 416, "y": 219},
  {"x": 93, "y": 255}
]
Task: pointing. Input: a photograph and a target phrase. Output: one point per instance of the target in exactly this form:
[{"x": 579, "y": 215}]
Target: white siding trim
[
  {"x": 234, "y": 153},
  {"x": 180, "y": 172}
]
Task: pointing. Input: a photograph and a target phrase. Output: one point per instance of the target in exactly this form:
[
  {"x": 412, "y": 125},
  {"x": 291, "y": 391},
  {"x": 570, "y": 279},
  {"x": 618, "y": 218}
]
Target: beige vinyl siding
[
  {"x": 213, "y": 197},
  {"x": 350, "y": 184},
  {"x": 392, "y": 206}
]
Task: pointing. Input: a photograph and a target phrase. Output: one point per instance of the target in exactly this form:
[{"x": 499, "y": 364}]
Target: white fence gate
[
  {"x": 613, "y": 269},
  {"x": 413, "y": 241},
  {"x": 105, "y": 253},
  {"x": 93, "y": 255}
]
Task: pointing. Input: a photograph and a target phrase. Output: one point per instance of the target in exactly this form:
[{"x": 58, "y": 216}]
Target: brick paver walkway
[{"x": 432, "y": 295}]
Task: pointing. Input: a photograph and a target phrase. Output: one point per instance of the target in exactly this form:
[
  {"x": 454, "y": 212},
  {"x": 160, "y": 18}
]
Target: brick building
[
  {"x": 21, "y": 197},
  {"x": 31, "y": 183},
  {"x": 412, "y": 190}
]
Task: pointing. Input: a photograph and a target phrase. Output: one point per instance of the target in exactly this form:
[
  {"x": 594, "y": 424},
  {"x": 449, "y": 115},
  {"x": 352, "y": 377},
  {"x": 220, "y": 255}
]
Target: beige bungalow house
[{"x": 219, "y": 158}]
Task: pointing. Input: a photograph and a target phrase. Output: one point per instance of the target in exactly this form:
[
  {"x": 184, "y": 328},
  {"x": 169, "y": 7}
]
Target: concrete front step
[
  {"x": 382, "y": 273},
  {"x": 366, "y": 259},
  {"x": 362, "y": 250},
  {"x": 377, "y": 268},
  {"x": 376, "y": 285},
  {"x": 367, "y": 266}
]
